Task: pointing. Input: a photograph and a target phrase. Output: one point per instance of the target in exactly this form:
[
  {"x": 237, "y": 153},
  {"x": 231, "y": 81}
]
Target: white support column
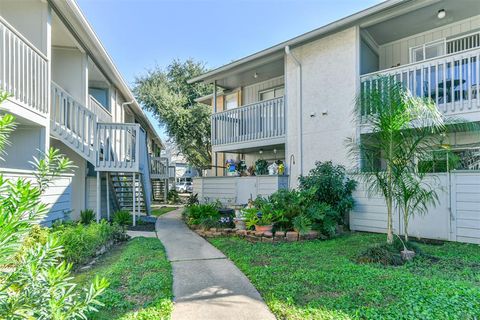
[
  {"x": 49, "y": 78},
  {"x": 108, "y": 195},
  {"x": 134, "y": 200},
  {"x": 99, "y": 196},
  {"x": 139, "y": 198},
  {"x": 214, "y": 155}
]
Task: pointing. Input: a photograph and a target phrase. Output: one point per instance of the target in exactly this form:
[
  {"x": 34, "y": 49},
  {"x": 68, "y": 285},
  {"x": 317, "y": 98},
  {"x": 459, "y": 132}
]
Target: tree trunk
[
  {"x": 389, "y": 221},
  {"x": 405, "y": 223}
]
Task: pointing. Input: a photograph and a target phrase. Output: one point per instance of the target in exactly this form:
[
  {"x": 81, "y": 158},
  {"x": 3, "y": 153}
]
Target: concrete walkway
[{"x": 206, "y": 285}]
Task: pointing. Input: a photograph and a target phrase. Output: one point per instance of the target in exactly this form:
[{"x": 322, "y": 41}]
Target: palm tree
[{"x": 402, "y": 129}]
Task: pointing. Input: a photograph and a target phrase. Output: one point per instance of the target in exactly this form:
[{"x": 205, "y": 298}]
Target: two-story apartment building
[
  {"x": 67, "y": 93},
  {"x": 295, "y": 102}
]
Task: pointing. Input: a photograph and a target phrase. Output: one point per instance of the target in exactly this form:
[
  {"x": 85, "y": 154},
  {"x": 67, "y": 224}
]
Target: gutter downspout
[
  {"x": 123, "y": 109},
  {"x": 300, "y": 104}
]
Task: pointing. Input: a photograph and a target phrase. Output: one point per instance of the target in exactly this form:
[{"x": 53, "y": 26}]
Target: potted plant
[
  {"x": 261, "y": 167},
  {"x": 231, "y": 167},
  {"x": 242, "y": 168},
  {"x": 262, "y": 219}
]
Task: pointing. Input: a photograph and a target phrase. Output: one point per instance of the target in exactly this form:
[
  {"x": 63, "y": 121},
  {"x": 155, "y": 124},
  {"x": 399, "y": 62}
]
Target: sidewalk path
[{"x": 206, "y": 285}]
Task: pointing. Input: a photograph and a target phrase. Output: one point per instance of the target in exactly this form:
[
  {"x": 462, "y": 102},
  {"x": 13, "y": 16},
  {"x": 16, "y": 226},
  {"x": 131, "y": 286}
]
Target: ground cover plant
[
  {"x": 81, "y": 242},
  {"x": 325, "y": 280},
  {"x": 161, "y": 211},
  {"x": 208, "y": 215},
  {"x": 140, "y": 279}
]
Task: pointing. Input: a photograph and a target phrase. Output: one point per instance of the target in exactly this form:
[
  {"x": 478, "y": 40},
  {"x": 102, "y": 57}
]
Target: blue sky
[{"x": 140, "y": 34}]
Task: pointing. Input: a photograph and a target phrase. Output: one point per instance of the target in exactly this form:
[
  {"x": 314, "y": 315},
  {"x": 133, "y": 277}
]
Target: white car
[{"x": 183, "y": 187}]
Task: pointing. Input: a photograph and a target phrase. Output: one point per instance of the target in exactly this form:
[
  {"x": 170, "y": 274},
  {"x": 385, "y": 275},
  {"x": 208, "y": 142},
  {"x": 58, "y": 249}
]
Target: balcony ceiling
[
  {"x": 246, "y": 76},
  {"x": 61, "y": 36},
  {"x": 423, "y": 19}
]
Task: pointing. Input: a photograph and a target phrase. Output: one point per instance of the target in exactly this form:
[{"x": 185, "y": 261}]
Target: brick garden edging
[{"x": 256, "y": 236}]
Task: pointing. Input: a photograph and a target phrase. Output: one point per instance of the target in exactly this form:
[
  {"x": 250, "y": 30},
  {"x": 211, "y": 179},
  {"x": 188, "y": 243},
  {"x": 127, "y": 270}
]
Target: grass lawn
[
  {"x": 321, "y": 280},
  {"x": 140, "y": 279},
  {"x": 162, "y": 210}
]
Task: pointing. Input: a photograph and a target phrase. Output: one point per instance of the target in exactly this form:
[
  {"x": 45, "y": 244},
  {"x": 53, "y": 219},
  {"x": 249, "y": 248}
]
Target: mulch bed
[{"x": 145, "y": 223}]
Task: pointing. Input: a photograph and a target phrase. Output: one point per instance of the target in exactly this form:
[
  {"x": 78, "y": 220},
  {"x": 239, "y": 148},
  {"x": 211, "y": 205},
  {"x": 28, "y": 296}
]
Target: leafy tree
[
  {"x": 393, "y": 116},
  {"x": 34, "y": 279},
  {"x": 403, "y": 130},
  {"x": 171, "y": 99}
]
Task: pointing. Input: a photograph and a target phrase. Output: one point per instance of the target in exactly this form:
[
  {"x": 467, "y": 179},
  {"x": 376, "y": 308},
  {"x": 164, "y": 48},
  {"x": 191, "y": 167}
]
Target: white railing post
[
  {"x": 24, "y": 70},
  {"x": 264, "y": 119},
  {"x": 451, "y": 81}
]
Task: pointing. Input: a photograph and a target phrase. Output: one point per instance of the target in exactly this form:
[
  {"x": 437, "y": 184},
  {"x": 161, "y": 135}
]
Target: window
[
  {"x": 271, "y": 93},
  {"x": 231, "y": 101},
  {"x": 427, "y": 51},
  {"x": 101, "y": 95}
]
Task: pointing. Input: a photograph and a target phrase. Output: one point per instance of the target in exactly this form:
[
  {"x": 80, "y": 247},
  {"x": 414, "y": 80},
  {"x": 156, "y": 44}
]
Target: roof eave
[
  {"x": 302, "y": 39},
  {"x": 99, "y": 54}
]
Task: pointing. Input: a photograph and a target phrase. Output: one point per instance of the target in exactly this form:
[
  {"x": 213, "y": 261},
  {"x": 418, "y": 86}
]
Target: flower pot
[
  {"x": 264, "y": 228},
  {"x": 240, "y": 224}
]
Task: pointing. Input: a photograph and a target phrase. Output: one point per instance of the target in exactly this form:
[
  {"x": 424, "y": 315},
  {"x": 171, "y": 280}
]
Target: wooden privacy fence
[{"x": 456, "y": 217}]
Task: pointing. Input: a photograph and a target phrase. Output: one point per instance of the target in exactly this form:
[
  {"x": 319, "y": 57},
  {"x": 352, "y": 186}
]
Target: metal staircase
[
  {"x": 119, "y": 149},
  {"x": 124, "y": 188},
  {"x": 159, "y": 189}
]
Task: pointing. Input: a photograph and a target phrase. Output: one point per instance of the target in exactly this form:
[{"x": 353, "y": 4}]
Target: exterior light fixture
[
  {"x": 441, "y": 14},
  {"x": 260, "y": 151},
  {"x": 255, "y": 75}
]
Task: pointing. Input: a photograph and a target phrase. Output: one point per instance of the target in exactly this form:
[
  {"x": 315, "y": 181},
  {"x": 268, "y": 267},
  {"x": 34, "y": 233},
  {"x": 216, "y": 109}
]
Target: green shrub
[
  {"x": 321, "y": 203},
  {"x": 302, "y": 224},
  {"x": 332, "y": 186},
  {"x": 192, "y": 199},
  {"x": 263, "y": 216},
  {"x": 35, "y": 279},
  {"x": 81, "y": 242},
  {"x": 197, "y": 213},
  {"x": 387, "y": 254},
  {"x": 122, "y": 218},
  {"x": 87, "y": 216},
  {"x": 173, "y": 197},
  {"x": 37, "y": 235}
]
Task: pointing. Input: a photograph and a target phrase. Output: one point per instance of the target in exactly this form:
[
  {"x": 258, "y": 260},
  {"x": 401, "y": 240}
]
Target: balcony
[
  {"x": 451, "y": 81},
  {"x": 159, "y": 168},
  {"x": 96, "y": 107},
  {"x": 251, "y": 126},
  {"x": 23, "y": 74}
]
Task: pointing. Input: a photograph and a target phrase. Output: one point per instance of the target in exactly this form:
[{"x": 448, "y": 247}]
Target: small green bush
[
  {"x": 332, "y": 186},
  {"x": 198, "y": 213},
  {"x": 81, "y": 242},
  {"x": 37, "y": 235},
  {"x": 122, "y": 218},
  {"x": 192, "y": 199},
  {"x": 173, "y": 197},
  {"x": 87, "y": 216},
  {"x": 302, "y": 224},
  {"x": 387, "y": 254}
]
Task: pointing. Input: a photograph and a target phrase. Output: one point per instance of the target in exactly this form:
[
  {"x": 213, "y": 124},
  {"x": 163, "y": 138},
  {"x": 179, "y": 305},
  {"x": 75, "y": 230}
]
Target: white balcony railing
[
  {"x": 451, "y": 81},
  {"x": 23, "y": 70},
  {"x": 96, "y": 107},
  {"x": 118, "y": 147},
  {"x": 159, "y": 168},
  {"x": 261, "y": 120},
  {"x": 74, "y": 124}
]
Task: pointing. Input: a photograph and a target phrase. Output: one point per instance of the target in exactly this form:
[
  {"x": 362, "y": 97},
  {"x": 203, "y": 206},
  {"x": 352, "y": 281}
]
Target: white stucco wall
[{"x": 329, "y": 82}]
